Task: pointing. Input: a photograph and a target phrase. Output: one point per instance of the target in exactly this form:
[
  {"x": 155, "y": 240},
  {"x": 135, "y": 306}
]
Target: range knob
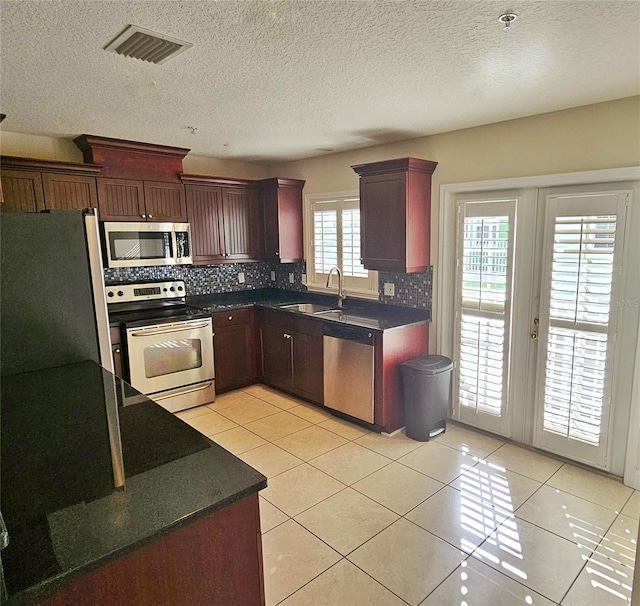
[
  {"x": 120, "y": 293},
  {"x": 109, "y": 293},
  {"x": 164, "y": 290},
  {"x": 172, "y": 289},
  {"x": 179, "y": 287}
]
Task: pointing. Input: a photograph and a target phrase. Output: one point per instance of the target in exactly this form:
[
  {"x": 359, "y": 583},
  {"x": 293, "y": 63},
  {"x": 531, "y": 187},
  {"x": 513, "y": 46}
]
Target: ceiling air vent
[{"x": 146, "y": 45}]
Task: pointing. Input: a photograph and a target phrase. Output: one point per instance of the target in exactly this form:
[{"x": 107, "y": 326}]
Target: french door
[{"x": 537, "y": 276}]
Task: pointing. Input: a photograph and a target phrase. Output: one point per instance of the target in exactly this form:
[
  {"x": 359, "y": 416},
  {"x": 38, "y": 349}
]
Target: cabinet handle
[
  {"x": 230, "y": 317},
  {"x": 116, "y": 350},
  {"x": 277, "y": 254},
  {"x": 143, "y": 216},
  {"x": 150, "y": 216}
]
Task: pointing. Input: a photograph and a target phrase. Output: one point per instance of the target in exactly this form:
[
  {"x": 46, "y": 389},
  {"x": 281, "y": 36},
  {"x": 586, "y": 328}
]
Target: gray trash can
[{"x": 426, "y": 386}]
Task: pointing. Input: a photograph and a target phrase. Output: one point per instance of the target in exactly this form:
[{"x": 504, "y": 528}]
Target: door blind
[
  {"x": 484, "y": 298},
  {"x": 580, "y": 296}
]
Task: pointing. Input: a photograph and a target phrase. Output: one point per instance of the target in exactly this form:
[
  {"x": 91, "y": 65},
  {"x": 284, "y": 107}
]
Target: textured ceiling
[{"x": 276, "y": 80}]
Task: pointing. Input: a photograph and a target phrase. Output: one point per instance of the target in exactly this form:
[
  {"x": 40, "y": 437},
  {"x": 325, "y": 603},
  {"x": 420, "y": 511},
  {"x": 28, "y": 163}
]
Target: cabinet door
[
  {"x": 233, "y": 354},
  {"x": 120, "y": 200},
  {"x": 270, "y": 235},
  {"x": 239, "y": 208},
  {"x": 22, "y": 191},
  {"x": 69, "y": 191},
  {"x": 307, "y": 367},
  {"x": 203, "y": 212},
  {"x": 276, "y": 356},
  {"x": 281, "y": 218},
  {"x": 165, "y": 201},
  {"x": 383, "y": 221},
  {"x": 290, "y": 223}
]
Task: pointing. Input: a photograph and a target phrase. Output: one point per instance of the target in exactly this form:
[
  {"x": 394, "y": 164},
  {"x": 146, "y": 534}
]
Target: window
[{"x": 332, "y": 239}]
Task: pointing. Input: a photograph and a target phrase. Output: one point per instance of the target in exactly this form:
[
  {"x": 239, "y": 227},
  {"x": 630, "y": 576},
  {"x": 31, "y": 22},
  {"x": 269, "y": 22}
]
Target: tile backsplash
[
  {"x": 215, "y": 279},
  {"x": 411, "y": 290}
]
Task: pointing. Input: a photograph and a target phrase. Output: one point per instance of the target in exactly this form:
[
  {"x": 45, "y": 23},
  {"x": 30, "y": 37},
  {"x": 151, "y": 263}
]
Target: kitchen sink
[
  {"x": 307, "y": 308},
  {"x": 345, "y": 316}
]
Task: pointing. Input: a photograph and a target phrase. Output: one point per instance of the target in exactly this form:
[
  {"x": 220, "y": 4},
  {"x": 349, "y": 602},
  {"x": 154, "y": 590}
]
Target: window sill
[{"x": 350, "y": 293}]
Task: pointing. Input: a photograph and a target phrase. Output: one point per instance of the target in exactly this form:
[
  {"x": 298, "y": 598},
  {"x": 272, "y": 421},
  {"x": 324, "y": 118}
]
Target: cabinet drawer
[{"x": 231, "y": 317}]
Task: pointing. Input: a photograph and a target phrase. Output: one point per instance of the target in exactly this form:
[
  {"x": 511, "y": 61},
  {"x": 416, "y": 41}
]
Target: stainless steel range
[{"x": 168, "y": 344}]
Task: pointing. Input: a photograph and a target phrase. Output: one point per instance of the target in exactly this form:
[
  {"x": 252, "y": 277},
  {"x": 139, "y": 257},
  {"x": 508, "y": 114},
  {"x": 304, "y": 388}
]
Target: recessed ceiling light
[{"x": 324, "y": 149}]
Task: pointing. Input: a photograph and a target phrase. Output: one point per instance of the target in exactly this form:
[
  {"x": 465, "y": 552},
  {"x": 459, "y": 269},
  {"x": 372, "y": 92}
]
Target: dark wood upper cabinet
[
  {"x": 281, "y": 218},
  {"x": 22, "y": 191},
  {"x": 239, "y": 210},
  {"x": 203, "y": 212},
  {"x": 223, "y": 218},
  {"x": 395, "y": 214},
  {"x": 30, "y": 185},
  {"x": 63, "y": 191},
  {"x": 132, "y": 200},
  {"x": 165, "y": 201},
  {"x": 120, "y": 199}
]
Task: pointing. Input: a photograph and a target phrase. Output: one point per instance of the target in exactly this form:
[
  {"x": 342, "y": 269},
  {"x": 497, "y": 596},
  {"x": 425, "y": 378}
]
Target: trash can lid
[{"x": 428, "y": 365}]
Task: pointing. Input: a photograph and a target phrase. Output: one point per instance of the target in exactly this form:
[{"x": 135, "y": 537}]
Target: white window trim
[
  {"x": 321, "y": 287},
  {"x": 444, "y": 272}
]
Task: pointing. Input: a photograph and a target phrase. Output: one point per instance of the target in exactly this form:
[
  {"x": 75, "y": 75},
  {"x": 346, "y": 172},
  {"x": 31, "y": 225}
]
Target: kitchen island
[{"x": 184, "y": 528}]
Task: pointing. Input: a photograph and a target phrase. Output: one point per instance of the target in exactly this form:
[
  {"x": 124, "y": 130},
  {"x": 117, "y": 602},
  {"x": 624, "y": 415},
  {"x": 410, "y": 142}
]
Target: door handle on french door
[{"x": 534, "y": 334}]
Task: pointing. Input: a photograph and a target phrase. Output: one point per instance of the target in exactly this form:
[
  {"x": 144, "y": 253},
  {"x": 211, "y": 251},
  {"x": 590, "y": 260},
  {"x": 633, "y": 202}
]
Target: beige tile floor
[{"x": 352, "y": 518}]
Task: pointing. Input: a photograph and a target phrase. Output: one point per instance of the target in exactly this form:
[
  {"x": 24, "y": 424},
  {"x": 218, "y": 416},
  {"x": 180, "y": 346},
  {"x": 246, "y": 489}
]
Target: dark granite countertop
[
  {"x": 356, "y": 312},
  {"x": 63, "y": 514}
]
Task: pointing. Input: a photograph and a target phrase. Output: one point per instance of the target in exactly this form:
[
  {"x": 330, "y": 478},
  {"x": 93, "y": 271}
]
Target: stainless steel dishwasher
[{"x": 349, "y": 370}]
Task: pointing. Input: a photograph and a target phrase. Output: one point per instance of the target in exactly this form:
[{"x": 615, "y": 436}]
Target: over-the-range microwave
[{"x": 141, "y": 244}]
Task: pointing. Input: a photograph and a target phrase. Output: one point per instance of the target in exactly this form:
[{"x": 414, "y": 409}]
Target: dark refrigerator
[{"x": 53, "y": 310}]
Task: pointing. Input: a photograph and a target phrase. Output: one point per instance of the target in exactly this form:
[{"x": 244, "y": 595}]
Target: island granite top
[{"x": 63, "y": 513}]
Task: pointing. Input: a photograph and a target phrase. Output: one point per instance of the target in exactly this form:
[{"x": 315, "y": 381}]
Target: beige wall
[
  {"x": 65, "y": 150},
  {"x": 604, "y": 135}
]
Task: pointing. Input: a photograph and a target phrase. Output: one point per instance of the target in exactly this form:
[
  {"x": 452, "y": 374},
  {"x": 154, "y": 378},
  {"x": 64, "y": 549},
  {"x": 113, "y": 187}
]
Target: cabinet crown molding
[
  {"x": 390, "y": 166},
  {"x": 210, "y": 180},
  {"x": 91, "y": 142},
  {"x": 281, "y": 182},
  {"x": 33, "y": 164}
]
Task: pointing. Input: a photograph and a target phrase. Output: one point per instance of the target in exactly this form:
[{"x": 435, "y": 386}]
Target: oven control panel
[{"x": 145, "y": 291}]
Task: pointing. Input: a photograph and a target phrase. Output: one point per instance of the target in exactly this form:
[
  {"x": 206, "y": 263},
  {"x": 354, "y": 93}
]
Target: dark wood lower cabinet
[
  {"x": 307, "y": 376},
  {"x": 214, "y": 561},
  {"x": 292, "y": 354},
  {"x": 234, "y": 349},
  {"x": 276, "y": 356}
]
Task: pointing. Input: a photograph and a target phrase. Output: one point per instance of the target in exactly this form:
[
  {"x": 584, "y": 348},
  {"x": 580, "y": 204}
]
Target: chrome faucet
[{"x": 341, "y": 295}]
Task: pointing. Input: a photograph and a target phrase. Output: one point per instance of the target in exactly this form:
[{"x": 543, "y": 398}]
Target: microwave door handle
[{"x": 161, "y": 331}]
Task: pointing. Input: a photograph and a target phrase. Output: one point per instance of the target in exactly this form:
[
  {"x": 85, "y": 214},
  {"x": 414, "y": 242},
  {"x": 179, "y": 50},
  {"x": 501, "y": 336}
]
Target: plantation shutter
[
  {"x": 581, "y": 259},
  {"x": 485, "y": 263},
  {"x": 336, "y": 243},
  {"x": 581, "y": 279}
]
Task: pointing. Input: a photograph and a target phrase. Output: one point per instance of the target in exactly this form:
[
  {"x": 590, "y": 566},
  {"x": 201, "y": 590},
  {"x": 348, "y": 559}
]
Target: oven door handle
[
  {"x": 161, "y": 331},
  {"x": 180, "y": 392}
]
